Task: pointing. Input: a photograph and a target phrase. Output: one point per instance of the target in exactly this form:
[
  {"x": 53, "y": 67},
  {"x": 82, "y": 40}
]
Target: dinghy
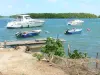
[
  {"x": 26, "y": 34},
  {"x": 73, "y": 31}
]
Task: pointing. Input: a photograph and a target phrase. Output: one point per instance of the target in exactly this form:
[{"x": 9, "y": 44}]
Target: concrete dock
[{"x": 23, "y": 43}]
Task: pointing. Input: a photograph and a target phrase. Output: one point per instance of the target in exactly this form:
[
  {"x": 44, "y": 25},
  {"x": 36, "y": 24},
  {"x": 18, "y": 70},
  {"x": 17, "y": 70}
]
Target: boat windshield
[
  {"x": 27, "y": 17},
  {"x": 19, "y": 18}
]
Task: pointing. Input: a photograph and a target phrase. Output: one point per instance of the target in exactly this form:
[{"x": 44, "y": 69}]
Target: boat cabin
[{"x": 23, "y": 17}]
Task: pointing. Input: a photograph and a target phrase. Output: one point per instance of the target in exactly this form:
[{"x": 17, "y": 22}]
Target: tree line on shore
[
  {"x": 61, "y": 15},
  {"x": 1, "y": 16}
]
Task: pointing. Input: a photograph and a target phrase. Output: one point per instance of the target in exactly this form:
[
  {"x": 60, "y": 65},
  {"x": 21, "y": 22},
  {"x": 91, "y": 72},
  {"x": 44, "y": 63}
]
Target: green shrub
[
  {"x": 77, "y": 55},
  {"x": 53, "y": 47},
  {"x": 38, "y": 56},
  {"x": 34, "y": 55}
]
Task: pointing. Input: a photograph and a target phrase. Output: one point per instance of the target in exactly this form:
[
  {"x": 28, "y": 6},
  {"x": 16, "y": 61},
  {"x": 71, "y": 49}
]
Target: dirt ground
[{"x": 17, "y": 62}]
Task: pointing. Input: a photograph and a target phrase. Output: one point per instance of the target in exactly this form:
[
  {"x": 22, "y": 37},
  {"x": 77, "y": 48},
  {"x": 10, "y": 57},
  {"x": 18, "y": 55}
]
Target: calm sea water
[{"x": 87, "y": 41}]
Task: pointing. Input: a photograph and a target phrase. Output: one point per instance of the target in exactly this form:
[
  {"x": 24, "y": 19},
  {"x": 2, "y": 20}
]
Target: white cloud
[
  {"x": 52, "y": 0},
  {"x": 9, "y": 6}
]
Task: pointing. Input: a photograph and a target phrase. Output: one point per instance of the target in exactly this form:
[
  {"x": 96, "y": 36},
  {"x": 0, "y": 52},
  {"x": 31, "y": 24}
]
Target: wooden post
[
  {"x": 97, "y": 60},
  {"x": 5, "y": 42},
  {"x": 68, "y": 49}
]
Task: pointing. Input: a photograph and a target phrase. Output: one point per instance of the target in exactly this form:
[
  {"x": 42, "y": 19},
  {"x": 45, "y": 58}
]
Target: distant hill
[{"x": 61, "y": 15}]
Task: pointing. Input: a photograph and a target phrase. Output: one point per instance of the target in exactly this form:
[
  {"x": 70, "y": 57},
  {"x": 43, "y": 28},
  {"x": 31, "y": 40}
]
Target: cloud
[
  {"x": 52, "y": 1},
  {"x": 9, "y": 6}
]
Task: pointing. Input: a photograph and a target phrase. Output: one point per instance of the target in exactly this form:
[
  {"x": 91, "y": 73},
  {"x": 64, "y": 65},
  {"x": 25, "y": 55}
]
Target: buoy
[
  {"x": 88, "y": 29},
  {"x": 47, "y": 32}
]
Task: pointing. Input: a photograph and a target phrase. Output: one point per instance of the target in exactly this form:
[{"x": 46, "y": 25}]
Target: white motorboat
[
  {"x": 75, "y": 22},
  {"x": 25, "y": 21}
]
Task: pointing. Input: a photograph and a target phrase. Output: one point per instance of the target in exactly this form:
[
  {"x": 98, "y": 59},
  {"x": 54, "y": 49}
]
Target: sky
[{"x": 12, "y": 7}]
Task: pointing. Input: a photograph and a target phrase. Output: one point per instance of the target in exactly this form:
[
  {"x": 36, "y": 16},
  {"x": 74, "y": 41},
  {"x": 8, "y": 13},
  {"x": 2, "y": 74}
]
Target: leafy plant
[
  {"x": 53, "y": 47},
  {"x": 77, "y": 55},
  {"x": 38, "y": 56}
]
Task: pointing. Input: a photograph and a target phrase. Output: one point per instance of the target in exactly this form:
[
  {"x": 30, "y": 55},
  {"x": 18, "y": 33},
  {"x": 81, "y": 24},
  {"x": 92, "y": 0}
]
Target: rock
[{"x": 22, "y": 48}]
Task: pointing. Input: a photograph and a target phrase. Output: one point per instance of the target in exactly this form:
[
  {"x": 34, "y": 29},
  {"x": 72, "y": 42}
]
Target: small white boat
[
  {"x": 75, "y": 22},
  {"x": 25, "y": 21}
]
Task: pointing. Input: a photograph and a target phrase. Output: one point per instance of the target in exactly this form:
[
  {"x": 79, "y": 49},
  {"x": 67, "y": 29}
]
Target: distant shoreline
[{"x": 60, "y": 15}]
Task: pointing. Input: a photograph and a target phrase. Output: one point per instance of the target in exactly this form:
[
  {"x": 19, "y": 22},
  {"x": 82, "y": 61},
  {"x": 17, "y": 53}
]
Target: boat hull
[
  {"x": 23, "y": 25},
  {"x": 27, "y": 35},
  {"x": 74, "y": 24}
]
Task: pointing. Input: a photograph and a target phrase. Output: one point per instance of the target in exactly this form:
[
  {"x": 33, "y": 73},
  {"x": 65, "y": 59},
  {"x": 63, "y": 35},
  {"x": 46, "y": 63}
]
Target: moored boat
[
  {"x": 75, "y": 22},
  {"x": 73, "y": 31},
  {"x": 23, "y": 21},
  {"x": 26, "y": 34}
]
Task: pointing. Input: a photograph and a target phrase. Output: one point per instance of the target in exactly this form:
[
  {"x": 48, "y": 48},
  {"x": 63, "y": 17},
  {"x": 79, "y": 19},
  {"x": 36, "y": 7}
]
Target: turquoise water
[{"x": 87, "y": 41}]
